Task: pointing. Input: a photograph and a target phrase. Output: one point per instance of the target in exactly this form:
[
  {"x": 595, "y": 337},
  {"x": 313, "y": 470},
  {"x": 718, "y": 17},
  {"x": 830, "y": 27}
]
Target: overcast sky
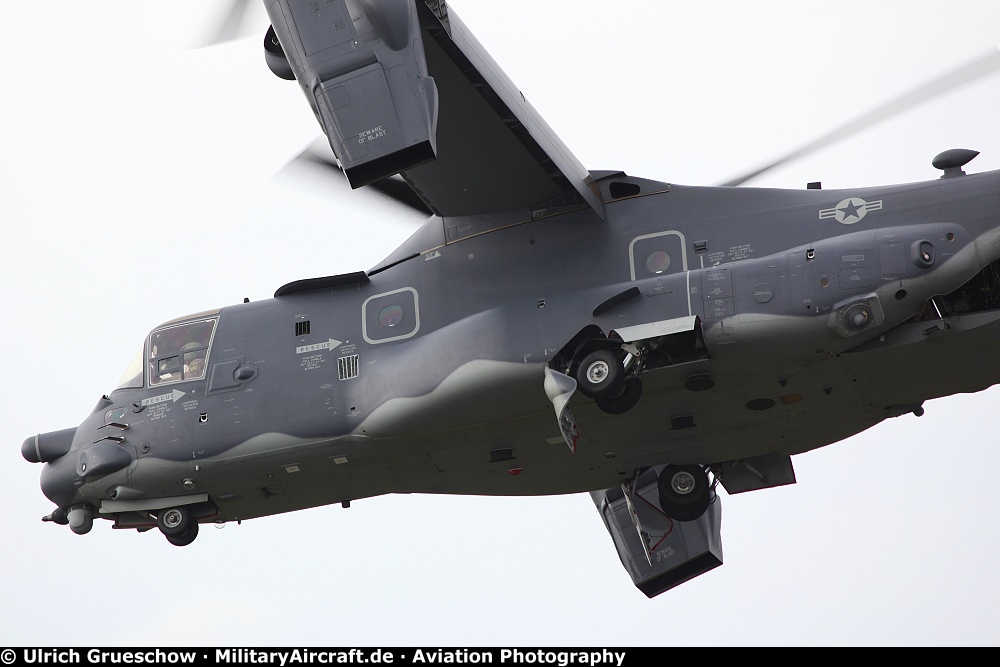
[{"x": 139, "y": 181}]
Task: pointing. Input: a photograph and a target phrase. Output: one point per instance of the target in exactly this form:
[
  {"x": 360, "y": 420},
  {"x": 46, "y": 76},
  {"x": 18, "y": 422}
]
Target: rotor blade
[
  {"x": 230, "y": 27},
  {"x": 977, "y": 69},
  {"x": 398, "y": 190},
  {"x": 393, "y": 187}
]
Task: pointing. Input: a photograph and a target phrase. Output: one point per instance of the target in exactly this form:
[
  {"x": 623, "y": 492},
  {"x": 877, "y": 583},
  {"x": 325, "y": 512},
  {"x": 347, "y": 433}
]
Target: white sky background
[{"x": 137, "y": 184}]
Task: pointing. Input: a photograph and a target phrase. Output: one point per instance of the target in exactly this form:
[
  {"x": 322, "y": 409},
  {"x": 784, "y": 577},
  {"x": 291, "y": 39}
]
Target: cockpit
[{"x": 175, "y": 352}]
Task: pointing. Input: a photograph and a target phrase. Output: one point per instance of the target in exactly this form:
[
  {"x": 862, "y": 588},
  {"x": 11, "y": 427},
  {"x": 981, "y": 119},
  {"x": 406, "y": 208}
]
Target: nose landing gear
[{"x": 178, "y": 526}]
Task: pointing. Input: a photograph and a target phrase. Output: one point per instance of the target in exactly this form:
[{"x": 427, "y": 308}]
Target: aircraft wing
[
  {"x": 402, "y": 86},
  {"x": 495, "y": 152}
]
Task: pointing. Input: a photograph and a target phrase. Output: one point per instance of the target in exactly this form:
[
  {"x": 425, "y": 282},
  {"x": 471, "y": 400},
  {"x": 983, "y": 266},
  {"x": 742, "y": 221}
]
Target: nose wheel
[
  {"x": 685, "y": 492},
  {"x": 178, "y": 526}
]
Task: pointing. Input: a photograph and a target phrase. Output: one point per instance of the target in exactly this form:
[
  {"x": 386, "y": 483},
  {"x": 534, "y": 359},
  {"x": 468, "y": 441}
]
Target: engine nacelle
[
  {"x": 678, "y": 550},
  {"x": 366, "y": 80}
]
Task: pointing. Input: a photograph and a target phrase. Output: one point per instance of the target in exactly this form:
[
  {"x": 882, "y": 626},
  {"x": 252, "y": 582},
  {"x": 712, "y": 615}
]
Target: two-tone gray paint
[{"x": 767, "y": 323}]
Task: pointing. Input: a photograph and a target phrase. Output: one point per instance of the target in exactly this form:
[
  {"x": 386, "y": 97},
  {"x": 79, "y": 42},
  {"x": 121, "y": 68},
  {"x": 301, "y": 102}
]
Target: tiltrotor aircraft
[{"x": 548, "y": 330}]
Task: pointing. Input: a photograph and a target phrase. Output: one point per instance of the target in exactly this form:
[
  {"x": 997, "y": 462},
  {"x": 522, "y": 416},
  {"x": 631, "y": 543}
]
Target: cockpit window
[
  {"x": 132, "y": 378},
  {"x": 180, "y": 352}
]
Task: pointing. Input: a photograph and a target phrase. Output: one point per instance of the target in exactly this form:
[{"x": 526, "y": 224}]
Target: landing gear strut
[{"x": 685, "y": 492}]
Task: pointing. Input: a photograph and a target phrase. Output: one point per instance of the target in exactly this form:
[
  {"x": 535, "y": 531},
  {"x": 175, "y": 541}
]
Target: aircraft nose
[
  {"x": 62, "y": 476},
  {"x": 47, "y": 447},
  {"x": 59, "y": 481}
]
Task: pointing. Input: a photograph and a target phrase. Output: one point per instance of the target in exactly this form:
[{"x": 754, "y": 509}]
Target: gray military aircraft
[{"x": 548, "y": 330}]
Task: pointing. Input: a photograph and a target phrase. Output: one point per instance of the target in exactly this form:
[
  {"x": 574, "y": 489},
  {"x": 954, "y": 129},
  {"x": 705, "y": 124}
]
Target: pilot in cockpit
[
  {"x": 194, "y": 361},
  {"x": 179, "y": 352}
]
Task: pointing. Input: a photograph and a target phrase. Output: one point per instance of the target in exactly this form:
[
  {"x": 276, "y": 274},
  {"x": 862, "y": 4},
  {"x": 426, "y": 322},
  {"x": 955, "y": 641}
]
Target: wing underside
[{"x": 495, "y": 152}]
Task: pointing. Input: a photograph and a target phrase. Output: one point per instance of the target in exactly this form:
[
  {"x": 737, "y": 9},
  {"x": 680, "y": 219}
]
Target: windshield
[
  {"x": 180, "y": 352},
  {"x": 132, "y": 378}
]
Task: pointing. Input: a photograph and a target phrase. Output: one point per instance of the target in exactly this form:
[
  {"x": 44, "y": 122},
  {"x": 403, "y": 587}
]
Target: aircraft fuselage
[{"x": 814, "y": 321}]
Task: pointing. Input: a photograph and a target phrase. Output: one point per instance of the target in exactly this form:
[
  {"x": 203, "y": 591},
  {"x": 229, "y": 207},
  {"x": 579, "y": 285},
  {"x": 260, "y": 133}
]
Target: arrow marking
[
  {"x": 163, "y": 398},
  {"x": 331, "y": 344}
]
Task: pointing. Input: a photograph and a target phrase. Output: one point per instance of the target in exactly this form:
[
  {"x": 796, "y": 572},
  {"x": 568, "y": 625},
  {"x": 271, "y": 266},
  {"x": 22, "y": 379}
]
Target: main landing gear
[
  {"x": 607, "y": 366},
  {"x": 685, "y": 491},
  {"x": 178, "y": 525},
  {"x": 685, "y": 495},
  {"x": 612, "y": 381}
]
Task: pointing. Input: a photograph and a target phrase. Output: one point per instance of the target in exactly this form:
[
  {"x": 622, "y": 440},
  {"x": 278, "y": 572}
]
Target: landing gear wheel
[
  {"x": 600, "y": 374},
  {"x": 185, "y": 538},
  {"x": 624, "y": 401},
  {"x": 684, "y": 492},
  {"x": 174, "y": 521}
]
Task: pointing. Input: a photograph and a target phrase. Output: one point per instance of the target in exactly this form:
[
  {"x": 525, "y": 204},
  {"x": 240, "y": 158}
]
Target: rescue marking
[
  {"x": 328, "y": 345},
  {"x": 162, "y": 398}
]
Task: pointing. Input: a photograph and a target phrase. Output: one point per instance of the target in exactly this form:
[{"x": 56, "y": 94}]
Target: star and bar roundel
[{"x": 850, "y": 210}]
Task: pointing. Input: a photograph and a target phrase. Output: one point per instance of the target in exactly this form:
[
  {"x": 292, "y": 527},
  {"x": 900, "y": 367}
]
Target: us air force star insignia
[{"x": 850, "y": 210}]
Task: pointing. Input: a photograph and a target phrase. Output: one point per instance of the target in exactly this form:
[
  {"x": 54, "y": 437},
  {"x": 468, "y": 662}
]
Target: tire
[
  {"x": 600, "y": 374},
  {"x": 624, "y": 401},
  {"x": 174, "y": 521},
  {"x": 184, "y": 539},
  {"x": 684, "y": 492}
]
